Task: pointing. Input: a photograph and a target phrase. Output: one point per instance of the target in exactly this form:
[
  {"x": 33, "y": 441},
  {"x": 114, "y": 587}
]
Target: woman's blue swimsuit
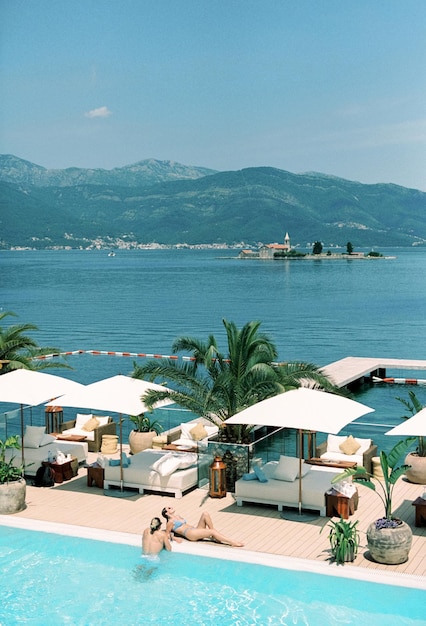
[{"x": 177, "y": 524}]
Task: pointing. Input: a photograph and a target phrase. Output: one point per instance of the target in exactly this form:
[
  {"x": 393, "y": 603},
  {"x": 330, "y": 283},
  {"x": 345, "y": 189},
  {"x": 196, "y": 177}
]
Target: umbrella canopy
[
  {"x": 31, "y": 387},
  {"x": 119, "y": 394},
  {"x": 303, "y": 409},
  {"x": 413, "y": 427}
]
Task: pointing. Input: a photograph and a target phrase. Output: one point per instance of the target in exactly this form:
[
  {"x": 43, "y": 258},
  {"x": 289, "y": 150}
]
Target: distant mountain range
[{"x": 170, "y": 203}]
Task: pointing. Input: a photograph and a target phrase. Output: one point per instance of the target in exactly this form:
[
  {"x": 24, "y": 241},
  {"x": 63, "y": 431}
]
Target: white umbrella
[
  {"x": 303, "y": 409},
  {"x": 119, "y": 394},
  {"x": 413, "y": 427},
  {"x": 32, "y": 387}
]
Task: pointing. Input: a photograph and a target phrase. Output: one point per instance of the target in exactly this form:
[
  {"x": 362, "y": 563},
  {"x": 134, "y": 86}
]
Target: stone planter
[
  {"x": 390, "y": 546},
  {"x": 417, "y": 472},
  {"x": 12, "y": 497},
  {"x": 140, "y": 441}
]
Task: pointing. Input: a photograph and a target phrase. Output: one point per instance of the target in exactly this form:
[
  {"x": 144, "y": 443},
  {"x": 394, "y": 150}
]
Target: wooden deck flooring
[{"x": 261, "y": 528}]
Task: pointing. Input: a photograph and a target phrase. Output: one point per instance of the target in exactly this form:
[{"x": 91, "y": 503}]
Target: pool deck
[{"x": 261, "y": 528}]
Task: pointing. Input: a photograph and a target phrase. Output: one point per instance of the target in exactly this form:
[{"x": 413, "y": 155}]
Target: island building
[{"x": 268, "y": 250}]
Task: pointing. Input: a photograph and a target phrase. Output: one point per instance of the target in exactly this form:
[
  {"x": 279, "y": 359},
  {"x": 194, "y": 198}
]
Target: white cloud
[{"x": 99, "y": 112}]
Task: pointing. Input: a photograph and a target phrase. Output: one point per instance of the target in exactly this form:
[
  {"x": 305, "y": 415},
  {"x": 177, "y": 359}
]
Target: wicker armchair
[
  {"x": 365, "y": 460},
  {"x": 95, "y": 445}
]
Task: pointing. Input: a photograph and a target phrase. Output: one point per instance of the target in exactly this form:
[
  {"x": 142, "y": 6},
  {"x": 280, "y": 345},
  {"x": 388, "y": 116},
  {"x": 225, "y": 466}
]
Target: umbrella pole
[
  {"x": 22, "y": 434},
  {"x": 300, "y": 469},
  {"x": 121, "y": 454}
]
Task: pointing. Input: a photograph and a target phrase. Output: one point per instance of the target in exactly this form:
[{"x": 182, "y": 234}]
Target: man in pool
[
  {"x": 154, "y": 539},
  {"x": 204, "y": 529}
]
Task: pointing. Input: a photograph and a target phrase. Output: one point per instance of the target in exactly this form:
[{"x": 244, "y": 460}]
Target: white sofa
[
  {"x": 284, "y": 492},
  {"x": 38, "y": 444},
  {"x": 331, "y": 449},
  {"x": 141, "y": 475}
]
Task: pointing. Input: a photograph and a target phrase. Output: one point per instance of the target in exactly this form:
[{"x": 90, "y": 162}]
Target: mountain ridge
[{"x": 169, "y": 203}]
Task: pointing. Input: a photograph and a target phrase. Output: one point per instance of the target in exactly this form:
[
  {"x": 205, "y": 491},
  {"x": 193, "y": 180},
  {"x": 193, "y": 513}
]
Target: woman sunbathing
[{"x": 204, "y": 530}]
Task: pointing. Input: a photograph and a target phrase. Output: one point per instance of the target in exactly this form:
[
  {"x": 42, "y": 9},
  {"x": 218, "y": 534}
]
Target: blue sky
[{"x": 333, "y": 86}]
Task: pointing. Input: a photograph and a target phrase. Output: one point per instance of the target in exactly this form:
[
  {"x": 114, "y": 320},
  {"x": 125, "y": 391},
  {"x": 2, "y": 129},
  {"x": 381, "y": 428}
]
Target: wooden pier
[{"x": 352, "y": 370}]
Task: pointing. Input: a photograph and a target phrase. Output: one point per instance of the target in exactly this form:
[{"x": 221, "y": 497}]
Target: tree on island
[
  {"x": 317, "y": 249},
  {"x": 349, "y": 248},
  {"x": 19, "y": 351},
  {"x": 216, "y": 386}
]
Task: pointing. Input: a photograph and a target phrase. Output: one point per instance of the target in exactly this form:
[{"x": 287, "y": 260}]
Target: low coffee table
[
  {"x": 77, "y": 438},
  {"x": 328, "y": 463},
  {"x": 171, "y": 447}
]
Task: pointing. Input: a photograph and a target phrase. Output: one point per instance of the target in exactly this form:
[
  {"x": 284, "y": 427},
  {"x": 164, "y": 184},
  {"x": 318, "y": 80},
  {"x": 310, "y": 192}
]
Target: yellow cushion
[
  {"x": 198, "y": 432},
  {"x": 109, "y": 444},
  {"x": 350, "y": 446},
  {"x": 91, "y": 424}
]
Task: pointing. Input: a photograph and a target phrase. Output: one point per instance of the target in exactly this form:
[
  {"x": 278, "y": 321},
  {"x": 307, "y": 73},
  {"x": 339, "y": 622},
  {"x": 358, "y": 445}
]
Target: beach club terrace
[{"x": 262, "y": 528}]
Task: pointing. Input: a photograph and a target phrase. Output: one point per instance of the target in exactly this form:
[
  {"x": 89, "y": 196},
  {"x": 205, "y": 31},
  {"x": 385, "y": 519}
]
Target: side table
[
  {"x": 63, "y": 471},
  {"x": 420, "y": 505},
  {"x": 338, "y": 504},
  {"x": 95, "y": 474}
]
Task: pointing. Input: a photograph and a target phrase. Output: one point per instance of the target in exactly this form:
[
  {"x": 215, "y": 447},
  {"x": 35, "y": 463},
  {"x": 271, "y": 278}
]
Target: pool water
[{"x": 55, "y": 579}]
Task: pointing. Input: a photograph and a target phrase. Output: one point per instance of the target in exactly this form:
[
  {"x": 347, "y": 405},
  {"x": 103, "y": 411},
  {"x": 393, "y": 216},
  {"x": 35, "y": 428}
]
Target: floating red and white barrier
[
  {"x": 141, "y": 355},
  {"x": 399, "y": 381}
]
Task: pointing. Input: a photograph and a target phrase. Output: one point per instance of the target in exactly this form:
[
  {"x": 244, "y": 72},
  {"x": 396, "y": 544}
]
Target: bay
[{"x": 140, "y": 301}]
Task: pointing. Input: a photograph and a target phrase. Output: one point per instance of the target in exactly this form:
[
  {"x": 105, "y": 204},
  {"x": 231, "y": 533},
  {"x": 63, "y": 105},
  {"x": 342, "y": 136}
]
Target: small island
[{"x": 284, "y": 251}]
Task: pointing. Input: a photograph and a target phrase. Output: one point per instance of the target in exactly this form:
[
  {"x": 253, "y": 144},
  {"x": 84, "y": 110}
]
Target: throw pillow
[
  {"x": 198, "y": 432},
  {"x": 91, "y": 424},
  {"x": 287, "y": 469},
  {"x": 185, "y": 430},
  {"x": 166, "y": 465},
  {"x": 333, "y": 442},
  {"x": 350, "y": 446},
  {"x": 260, "y": 474},
  {"x": 33, "y": 436},
  {"x": 250, "y": 476},
  {"x": 46, "y": 439}
]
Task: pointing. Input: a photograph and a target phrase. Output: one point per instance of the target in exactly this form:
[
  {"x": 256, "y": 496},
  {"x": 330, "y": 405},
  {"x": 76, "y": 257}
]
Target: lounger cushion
[
  {"x": 33, "y": 436},
  {"x": 350, "y": 446}
]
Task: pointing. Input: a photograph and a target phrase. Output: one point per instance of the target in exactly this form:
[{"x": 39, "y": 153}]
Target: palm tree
[
  {"x": 216, "y": 386},
  {"x": 18, "y": 350}
]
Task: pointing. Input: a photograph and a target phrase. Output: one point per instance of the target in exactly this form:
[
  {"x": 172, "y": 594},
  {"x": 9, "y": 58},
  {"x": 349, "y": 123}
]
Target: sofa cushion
[
  {"x": 33, "y": 436},
  {"x": 91, "y": 424},
  {"x": 350, "y": 446},
  {"x": 81, "y": 419}
]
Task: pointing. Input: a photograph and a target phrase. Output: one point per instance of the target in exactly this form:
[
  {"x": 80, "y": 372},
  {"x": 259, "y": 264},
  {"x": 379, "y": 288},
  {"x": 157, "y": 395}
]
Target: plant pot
[
  {"x": 140, "y": 441},
  {"x": 390, "y": 546},
  {"x": 417, "y": 472},
  {"x": 12, "y": 497}
]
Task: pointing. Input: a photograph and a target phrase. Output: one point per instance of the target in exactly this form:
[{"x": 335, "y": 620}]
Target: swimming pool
[{"x": 51, "y": 578}]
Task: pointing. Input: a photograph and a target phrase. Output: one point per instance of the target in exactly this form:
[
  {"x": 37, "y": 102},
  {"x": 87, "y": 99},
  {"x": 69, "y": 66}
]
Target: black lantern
[
  {"x": 54, "y": 419},
  {"x": 217, "y": 478}
]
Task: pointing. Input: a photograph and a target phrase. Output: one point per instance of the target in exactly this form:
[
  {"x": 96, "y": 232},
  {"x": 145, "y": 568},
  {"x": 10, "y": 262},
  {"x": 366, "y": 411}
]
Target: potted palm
[
  {"x": 140, "y": 438},
  {"x": 416, "y": 472},
  {"x": 344, "y": 540},
  {"x": 12, "y": 483},
  {"x": 388, "y": 538}
]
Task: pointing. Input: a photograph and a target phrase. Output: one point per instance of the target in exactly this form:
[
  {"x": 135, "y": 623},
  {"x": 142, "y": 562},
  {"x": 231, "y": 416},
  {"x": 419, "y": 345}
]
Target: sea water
[
  {"x": 50, "y": 579},
  {"x": 140, "y": 301}
]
